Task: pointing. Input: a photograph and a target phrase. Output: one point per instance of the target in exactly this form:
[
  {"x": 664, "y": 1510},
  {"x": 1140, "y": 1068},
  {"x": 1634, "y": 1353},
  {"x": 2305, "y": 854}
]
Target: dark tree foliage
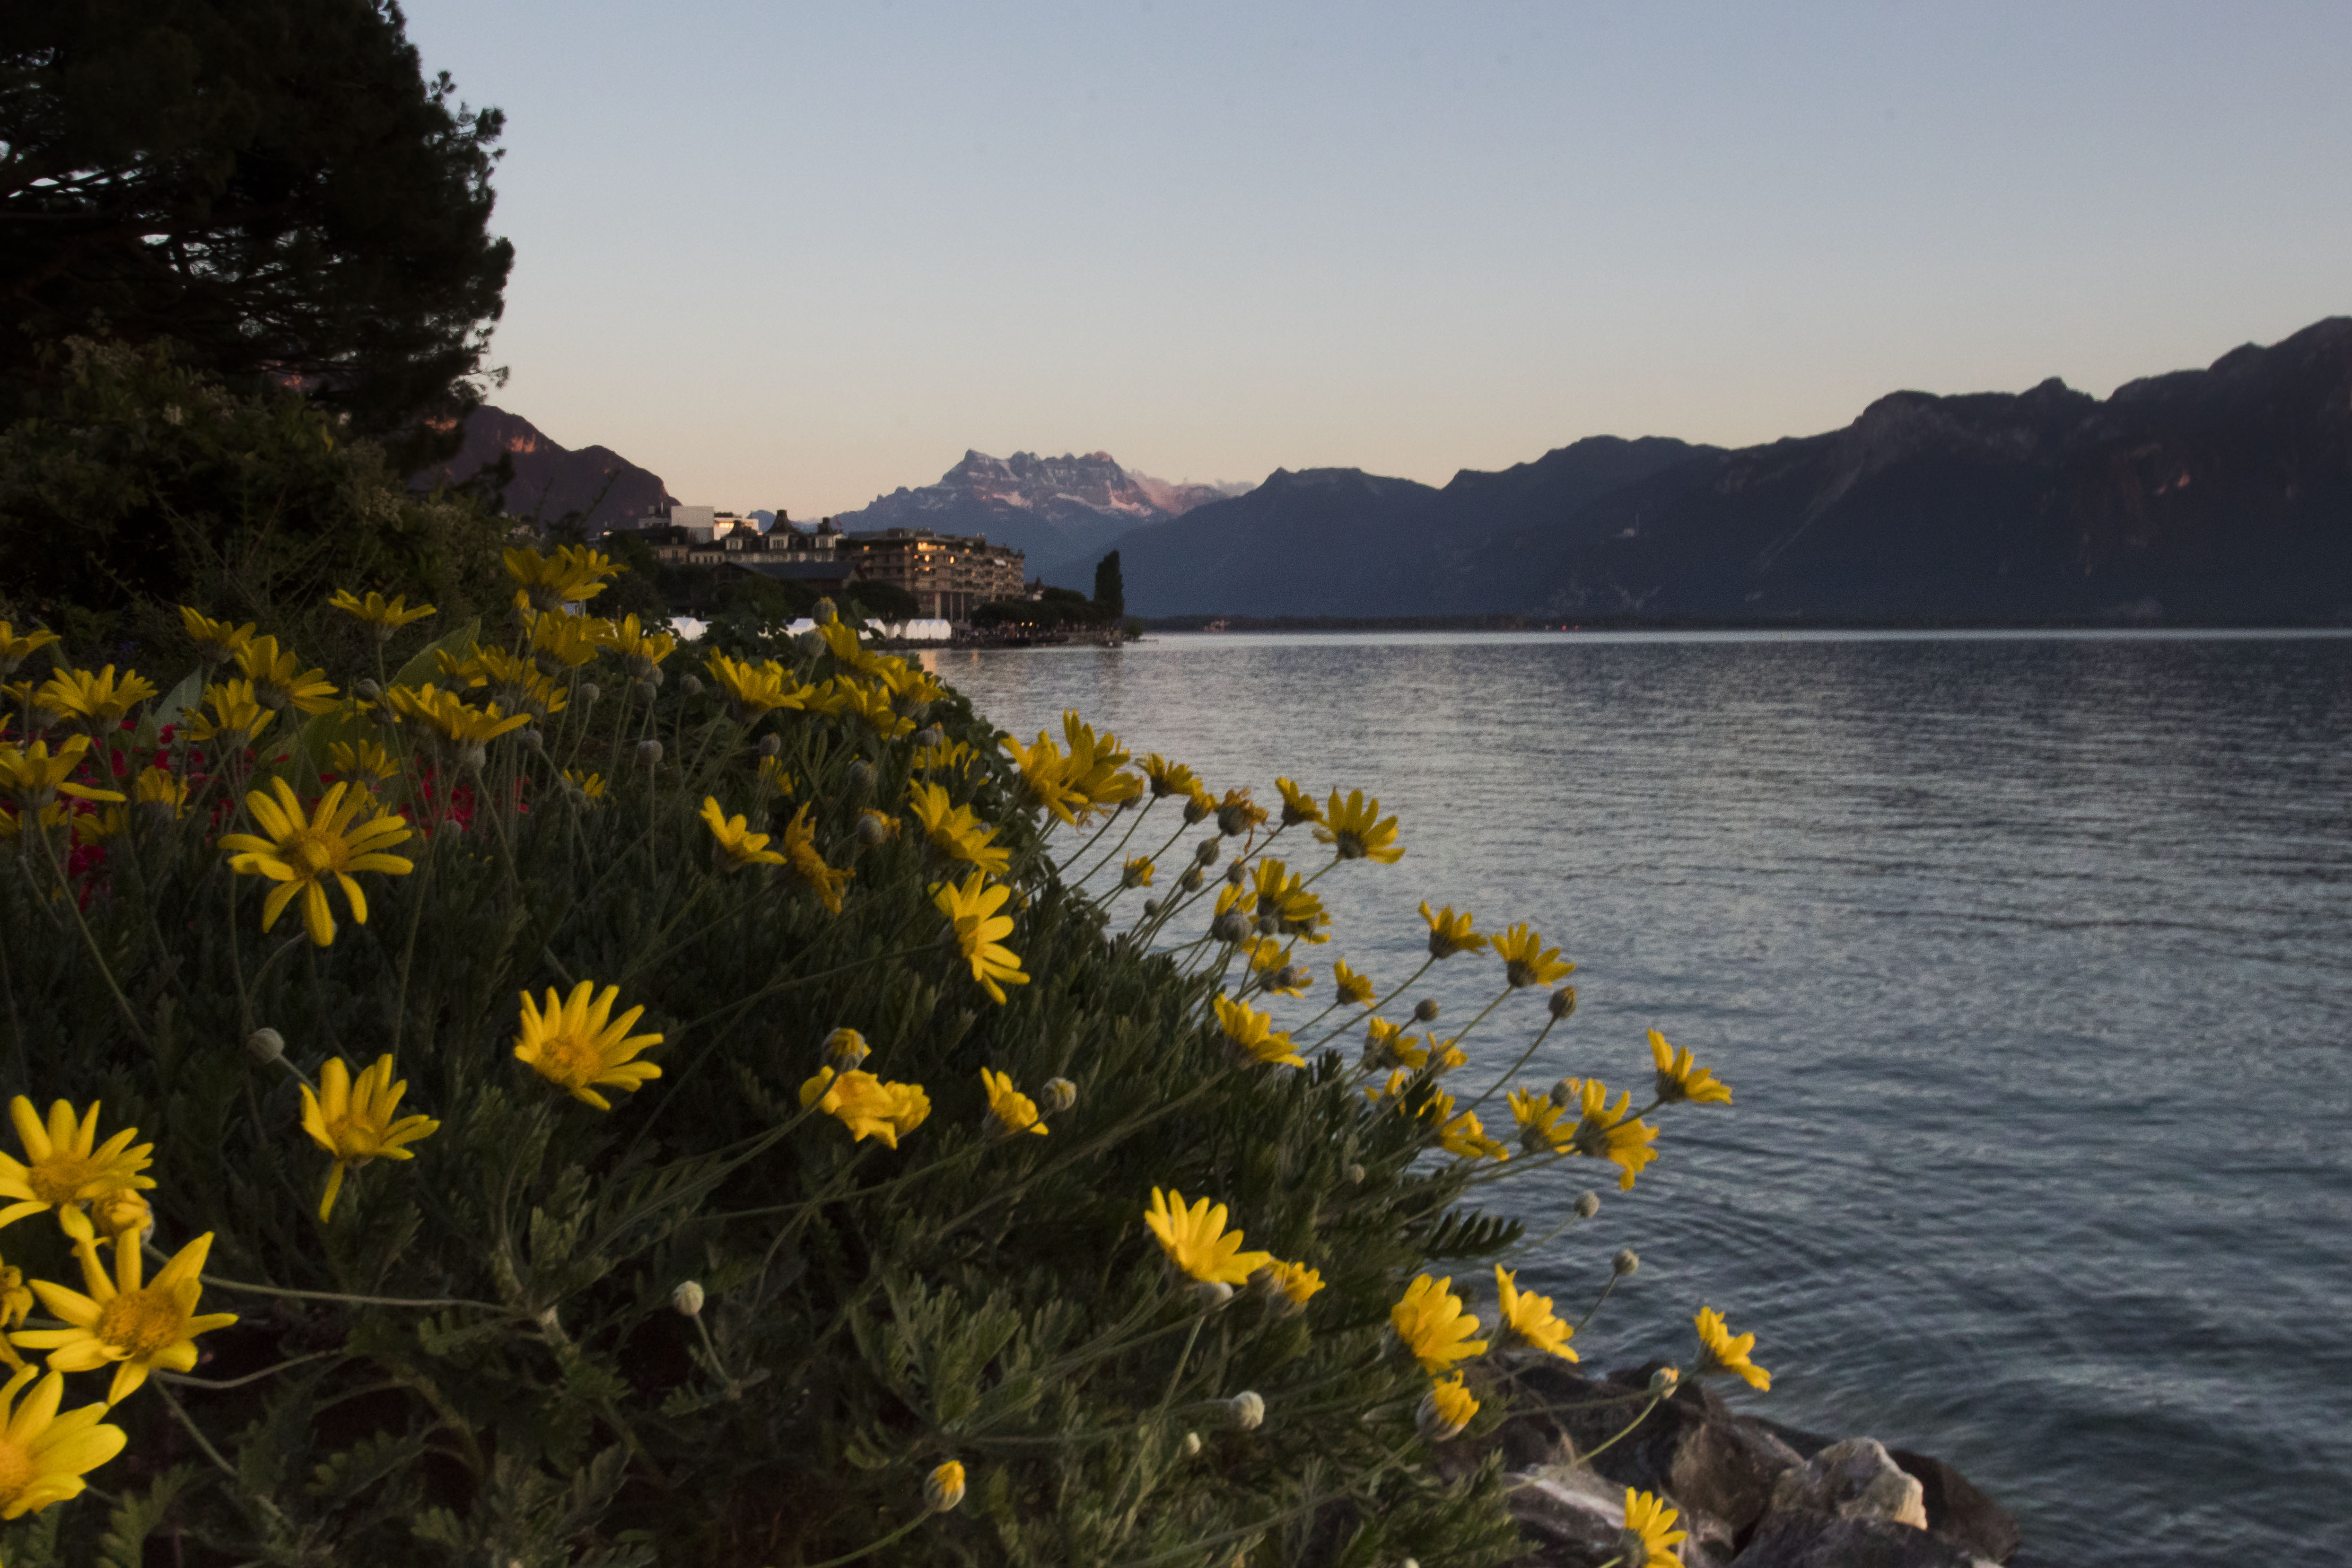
[
  {"x": 134, "y": 482},
  {"x": 273, "y": 183},
  {"x": 1060, "y": 608},
  {"x": 1110, "y": 589}
]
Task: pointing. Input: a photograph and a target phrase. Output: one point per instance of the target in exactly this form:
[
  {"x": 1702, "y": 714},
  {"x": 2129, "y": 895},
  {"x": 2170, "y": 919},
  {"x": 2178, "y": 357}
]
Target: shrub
[{"x": 711, "y": 1119}]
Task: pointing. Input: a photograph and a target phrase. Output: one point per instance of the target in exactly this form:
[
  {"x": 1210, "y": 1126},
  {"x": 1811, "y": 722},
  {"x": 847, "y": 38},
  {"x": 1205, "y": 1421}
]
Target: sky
[{"x": 801, "y": 254}]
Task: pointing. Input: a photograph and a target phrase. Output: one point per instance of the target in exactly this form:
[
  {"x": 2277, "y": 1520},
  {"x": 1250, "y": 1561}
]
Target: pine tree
[
  {"x": 273, "y": 183},
  {"x": 1110, "y": 591}
]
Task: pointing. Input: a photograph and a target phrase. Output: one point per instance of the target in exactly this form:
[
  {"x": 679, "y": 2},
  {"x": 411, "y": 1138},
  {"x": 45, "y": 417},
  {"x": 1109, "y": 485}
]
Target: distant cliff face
[
  {"x": 550, "y": 482},
  {"x": 1053, "y": 509},
  {"x": 2220, "y": 495}
]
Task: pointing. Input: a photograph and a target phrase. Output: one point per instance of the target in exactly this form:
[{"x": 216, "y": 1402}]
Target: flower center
[
  {"x": 15, "y": 1470},
  {"x": 60, "y": 1178},
  {"x": 569, "y": 1060},
  {"x": 313, "y": 853},
  {"x": 140, "y": 1322}
]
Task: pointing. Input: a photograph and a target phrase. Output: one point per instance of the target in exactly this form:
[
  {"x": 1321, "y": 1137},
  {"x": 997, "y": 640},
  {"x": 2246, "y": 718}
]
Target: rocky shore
[{"x": 1752, "y": 1494}]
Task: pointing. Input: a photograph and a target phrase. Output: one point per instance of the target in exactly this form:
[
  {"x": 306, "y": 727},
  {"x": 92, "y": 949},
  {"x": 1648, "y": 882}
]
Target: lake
[{"x": 2028, "y": 956}]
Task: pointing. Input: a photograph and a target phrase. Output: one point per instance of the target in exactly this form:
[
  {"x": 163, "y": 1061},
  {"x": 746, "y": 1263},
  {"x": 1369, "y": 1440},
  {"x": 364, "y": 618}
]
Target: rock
[
  {"x": 1957, "y": 1511},
  {"x": 1804, "y": 1539},
  {"x": 1852, "y": 1479},
  {"x": 1571, "y": 1517}
]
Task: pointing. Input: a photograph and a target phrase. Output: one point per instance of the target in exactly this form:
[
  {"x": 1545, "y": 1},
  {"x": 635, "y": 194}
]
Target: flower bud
[
  {"x": 471, "y": 756},
  {"x": 772, "y": 745},
  {"x": 1247, "y": 1409},
  {"x": 1355, "y": 1176},
  {"x": 265, "y": 1045},
  {"x": 1293, "y": 978},
  {"x": 1665, "y": 1380},
  {"x": 1211, "y": 1294},
  {"x": 931, "y": 737},
  {"x": 871, "y": 830},
  {"x": 1230, "y": 927},
  {"x": 944, "y": 1488},
  {"x": 1567, "y": 1091},
  {"x": 1150, "y": 907},
  {"x": 1191, "y": 879},
  {"x": 845, "y": 1048},
  {"x": 1563, "y": 1001},
  {"x": 1236, "y": 873},
  {"x": 1207, "y": 853},
  {"x": 1442, "y": 1419},
  {"x": 861, "y": 775},
  {"x": 367, "y": 689},
  {"x": 688, "y": 685},
  {"x": 649, "y": 752},
  {"x": 1191, "y": 1444},
  {"x": 823, "y": 613},
  {"x": 1626, "y": 1261},
  {"x": 588, "y": 692},
  {"x": 1425, "y": 1010},
  {"x": 644, "y": 690},
  {"x": 653, "y": 673},
  {"x": 1059, "y": 1095},
  {"x": 1586, "y": 1204},
  {"x": 530, "y": 740},
  {"x": 687, "y": 1299}
]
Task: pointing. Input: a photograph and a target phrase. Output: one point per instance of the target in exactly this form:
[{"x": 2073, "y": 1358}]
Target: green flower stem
[
  {"x": 1383, "y": 1002},
  {"x": 1656, "y": 1400},
  {"x": 73, "y": 905},
  {"x": 186, "y": 1381},
  {"x": 1149, "y": 802},
  {"x": 1513, "y": 1070},
  {"x": 246, "y": 1287},
  {"x": 872, "y": 1547}
]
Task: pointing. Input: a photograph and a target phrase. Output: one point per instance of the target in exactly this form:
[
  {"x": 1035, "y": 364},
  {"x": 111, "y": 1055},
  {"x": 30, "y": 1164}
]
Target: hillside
[
  {"x": 551, "y": 482},
  {"x": 2215, "y": 495}
]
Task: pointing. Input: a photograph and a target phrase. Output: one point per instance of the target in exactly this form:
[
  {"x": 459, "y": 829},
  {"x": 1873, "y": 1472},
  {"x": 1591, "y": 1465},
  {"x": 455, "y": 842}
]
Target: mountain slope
[
  {"x": 1052, "y": 510},
  {"x": 2220, "y": 495},
  {"x": 551, "y": 482}
]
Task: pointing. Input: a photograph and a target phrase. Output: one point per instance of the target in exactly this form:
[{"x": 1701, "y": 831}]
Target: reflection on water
[{"x": 2030, "y": 959}]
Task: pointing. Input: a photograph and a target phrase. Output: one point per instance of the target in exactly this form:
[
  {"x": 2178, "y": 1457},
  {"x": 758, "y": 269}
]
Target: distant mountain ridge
[
  {"x": 551, "y": 482},
  {"x": 2216, "y": 495},
  {"x": 1055, "y": 511}
]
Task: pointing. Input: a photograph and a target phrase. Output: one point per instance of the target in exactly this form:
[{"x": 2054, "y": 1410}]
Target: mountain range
[
  {"x": 2214, "y": 495},
  {"x": 550, "y": 482},
  {"x": 1062, "y": 513}
]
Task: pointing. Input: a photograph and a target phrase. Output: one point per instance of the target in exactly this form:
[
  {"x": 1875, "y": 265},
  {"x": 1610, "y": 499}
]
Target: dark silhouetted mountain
[
  {"x": 595, "y": 484},
  {"x": 2220, "y": 495},
  {"x": 1057, "y": 511}
]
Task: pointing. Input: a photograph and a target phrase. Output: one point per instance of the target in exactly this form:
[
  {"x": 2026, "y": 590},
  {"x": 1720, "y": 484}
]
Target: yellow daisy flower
[
  {"x": 1466, "y": 1135},
  {"x": 955, "y": 832},
  {"x": 97, "y": 700},
  {"x": 1431, "y": 1323},
  {"x": 355, "y": 1123},
  {"x": 973, "y": 907},
  {"x": 361, "y": 758},
  {"x": 214, "y": 641},
  {"x": 1138, "y": 872},
  {"x": 1528, "y": 1317},
  {"x": 1446, "y": 1409},
  {"x": 136, "y": 1327},
  {"x": 1298, "y": 806},
  {"x": 1197, "y": 1242},
  {"x": 1294, "y": 1280},
  {"x": 800, "y": 854},
  {"x": 1450, "y": 933},
  {"x": 1650, "y": 1538},
  {"x": 1725, "y": 1354},
  {"x": 755, "y": 690},
  {"x": 640, "y": 649},
  {"x": 1237, "y": 813},
  {"x": 1166, "y": 778},
  {"x": 1009, "y": 1109},
  {"x": 15, "y": 1300},
  {"x": 236, "y": 715},
  {"x": 738, "y": 846},
  {"x": 278, "y": 679},
  {"x": 163, "y": 789},
  {"x": 1679, "y": 1080},
  {"x": 1355, "y": 990},
  {"x": 1610, "y": 1133},
  {"x": 1525, "y": 961},
  {"x": 866, "y": 1105},
  {"x": 303, "y": 850},
  {"x": 1044, "y": 776},
  {"x": 1539, "y": 1121},
  {"x": 382, "y": 618},
  {"x": 65, "y": 1167},
  {"x": 572, "y": 1046},
  {"x": 943, "y": 1488},
  {"x": 1354, "y": 828},
  {"x": 574, "y": 572},
  {"x": 33, "y": 778},
  {"x": 44, "y": 1454},
  {"x": 589, "y": 784},
  {"x": 122, "y": 1210},
  {"x": 1254, "y": 1036},
  {"x": 15, "y": 648}
]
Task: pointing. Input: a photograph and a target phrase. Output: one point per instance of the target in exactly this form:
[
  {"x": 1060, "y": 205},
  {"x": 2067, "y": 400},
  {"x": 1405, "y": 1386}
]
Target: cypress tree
[{"x": 1110, "y": 591}]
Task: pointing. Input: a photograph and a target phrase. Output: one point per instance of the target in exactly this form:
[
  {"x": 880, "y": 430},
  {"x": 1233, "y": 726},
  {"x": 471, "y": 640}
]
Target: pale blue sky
[{"x": 797, "y": 255}]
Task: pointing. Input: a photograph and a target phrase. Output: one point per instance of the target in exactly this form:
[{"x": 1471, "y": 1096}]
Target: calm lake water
[{"x": 2029, "y": 958}]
